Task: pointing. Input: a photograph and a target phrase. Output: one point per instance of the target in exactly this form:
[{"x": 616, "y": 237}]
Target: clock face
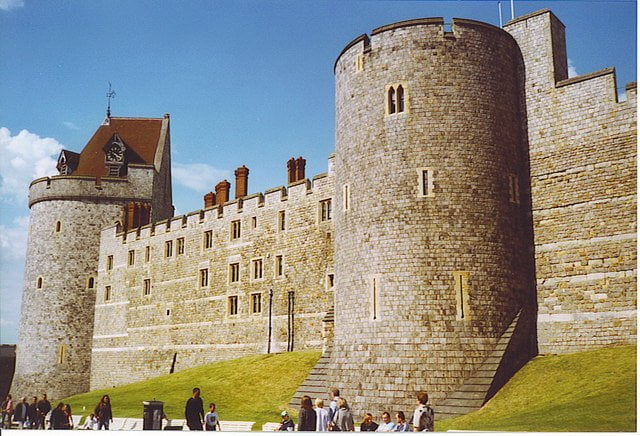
[{"x": 115, "y": 153}]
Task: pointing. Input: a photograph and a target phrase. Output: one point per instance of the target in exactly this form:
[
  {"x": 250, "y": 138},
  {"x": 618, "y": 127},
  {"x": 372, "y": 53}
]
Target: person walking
[
  {"x": 7, "y": 412},
  {"x": 68, "y": 421},
  {"x": 58, "y": 419},
  {"x": 103, "y": 413},
  {"x": 44, "y": 407},
  {"x": 32, "y": 413},
  {"x": 322, "y": 416},
  {"x": 343, "y": 420},
  {"x": 20, "y": 413},
  {"x": 368, "y": 424},
  {"x": 194, "y": 411},
  {"x": 211, "y": 420},
  {"x": 307, "y": 418},
  {"x": 334, "y": 395},
  {"x": 423, "y": 416}
]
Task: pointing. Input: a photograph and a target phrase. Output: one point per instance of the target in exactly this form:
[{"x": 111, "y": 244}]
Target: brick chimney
[
  {"x": 222, "y": 192},
  {"x": 300, "y": 164},
  {"x": 242, "y": 181},
  {"x": 291, "y": 171},
  {"x": 137, "y": 215},
  {"x": 209, "y": 200}
]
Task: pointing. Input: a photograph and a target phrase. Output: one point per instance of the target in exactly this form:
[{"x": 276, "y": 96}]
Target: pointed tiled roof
[{"x": 140, "y": 135}]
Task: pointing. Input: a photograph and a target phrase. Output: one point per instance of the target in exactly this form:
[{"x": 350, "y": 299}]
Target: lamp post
[{"x": 270, "y": 306}]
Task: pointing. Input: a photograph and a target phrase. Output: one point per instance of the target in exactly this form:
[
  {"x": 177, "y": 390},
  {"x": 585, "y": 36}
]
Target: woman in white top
[{"x": 322, "y": 416}]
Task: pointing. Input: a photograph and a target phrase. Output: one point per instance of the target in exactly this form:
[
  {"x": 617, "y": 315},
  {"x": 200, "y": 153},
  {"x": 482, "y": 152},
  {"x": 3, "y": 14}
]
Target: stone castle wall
[
  {"x": 582, "y": 144},
  {"x": 181, "y": 323},
  {"x": 401, "y": 323}
]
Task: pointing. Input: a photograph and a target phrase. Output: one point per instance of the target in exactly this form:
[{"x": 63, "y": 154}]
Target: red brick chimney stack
[
  {"x": 242, "y": 181},
  {"x": 300, "y": 164},
  {"x": 209, "y": 200},
  {"x": 291, "y": 171},
  {"x": 222, "y": 192}
]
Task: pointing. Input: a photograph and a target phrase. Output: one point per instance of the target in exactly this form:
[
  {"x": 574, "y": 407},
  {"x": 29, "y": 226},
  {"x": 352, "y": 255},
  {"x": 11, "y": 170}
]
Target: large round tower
[
  {"x": 121, "y": 175},
  {"x": 433, "y": 236}
]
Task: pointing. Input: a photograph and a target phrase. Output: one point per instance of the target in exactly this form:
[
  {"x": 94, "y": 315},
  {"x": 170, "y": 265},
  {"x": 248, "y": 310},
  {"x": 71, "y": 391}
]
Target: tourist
[
  {"x": 7, "y": 412},
  {"x": 322, "y": 416},
  {"x": 90, "y": 423},
  {"x": 103, "y": 413},
  {"x": 401, "y": 422},
  {"x": 58, "y": 419},
  {"x": 44, "y": 407},
  {"x": 32, "y": 413},
  {"x": 194, "y": 411},
  {"x": 423, "y": 416},
  {"x": 307, "y": 419},
  {"x": 212, "y": 420},
  {"x": 386, "y": 425},
  {"x": 286, "y": 424},
  {"x": 343, "y": 420},
  {"x": 20, "y": 413},
  {"x": 334, "y": 394},
  {"x": 368, "y": 424},
  {"x": 68, "y": 425}
]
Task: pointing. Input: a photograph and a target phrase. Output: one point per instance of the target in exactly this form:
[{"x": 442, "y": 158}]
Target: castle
[{"x": 480, "y": 208}]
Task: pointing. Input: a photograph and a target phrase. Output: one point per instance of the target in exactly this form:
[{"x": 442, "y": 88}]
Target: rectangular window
[
  {"x": 109, "y": 263},
  {"x": 168, "y": 249},
  {"x": 233, "y": 305},
  {"x": 204, "y": 277},
  {"x": 461, "y": 288},
  {"x": 282, "y": 221},
  {"x": 235, "y": 229},
  {"x": 425, "y": 182},
  {"x": 329, "y": 280},
  {"x": 360, "y": 62},
  {"x": 208, "y": 239},
  {"x": 146, "y": 290},
  {"x": 256, "y": 266},
  {"x": 256, "y": 303},
  {"x": 254, "y": 222},
  {"x": 375, "y": 285},
  {"x": 147, "y": 253},
  {"x": 132, "y": 257},
  {"x": 62, "y": 351},
  {"x": 514, "y": 189},
  {"x": 325, "y": 210},
  {"x": 107, "y": 293},
  {"x": 180, "y": 246},
  {"x": 346, "y": 197},
  {"x": 234, "y": 272},
  {"x": 279, "y": 265}
]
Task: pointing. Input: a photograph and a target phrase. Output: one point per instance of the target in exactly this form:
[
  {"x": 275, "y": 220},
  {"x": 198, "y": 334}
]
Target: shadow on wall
[{"x": 7, "y": 367}]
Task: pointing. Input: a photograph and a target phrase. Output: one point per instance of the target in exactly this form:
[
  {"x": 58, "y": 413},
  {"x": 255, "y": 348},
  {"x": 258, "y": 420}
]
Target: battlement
[{"x": 135, "y": 187}]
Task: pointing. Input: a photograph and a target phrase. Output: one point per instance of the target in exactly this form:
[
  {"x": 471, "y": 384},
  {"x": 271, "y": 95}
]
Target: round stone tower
[
  {"x": 433, "y": 232},
  {"x": 68, "y": 211}
]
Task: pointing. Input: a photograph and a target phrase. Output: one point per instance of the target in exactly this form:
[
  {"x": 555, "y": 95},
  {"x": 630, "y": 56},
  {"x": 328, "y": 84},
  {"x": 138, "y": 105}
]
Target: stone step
[
  {"x": 463, "y": 395},
  {"x": 463, "y": 402},
  {"x": 454, "y": 410}
]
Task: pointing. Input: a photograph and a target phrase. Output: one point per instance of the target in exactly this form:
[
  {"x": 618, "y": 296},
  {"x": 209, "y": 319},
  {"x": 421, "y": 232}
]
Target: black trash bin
[{"x": 152, "y": 415}]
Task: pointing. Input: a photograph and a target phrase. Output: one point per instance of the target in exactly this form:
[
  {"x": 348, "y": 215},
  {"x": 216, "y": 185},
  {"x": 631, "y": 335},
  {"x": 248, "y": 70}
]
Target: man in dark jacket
[
  {"x": 194, "y": 411},
  {"x": 44, "y": 407},
  {"x": 20, "y": 413},
  {"x": 32, "y": 413}
]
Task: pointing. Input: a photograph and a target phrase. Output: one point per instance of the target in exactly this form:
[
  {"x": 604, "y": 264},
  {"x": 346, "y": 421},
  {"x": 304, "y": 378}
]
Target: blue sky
[{"x": 245, "y": 82}]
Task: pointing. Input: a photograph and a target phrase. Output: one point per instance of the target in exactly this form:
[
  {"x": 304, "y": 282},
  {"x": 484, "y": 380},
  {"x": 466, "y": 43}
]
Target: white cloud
[
  {"x": 7, "y": 5},
  {"x": 26, "y": 156},
  {"x": 198, "y": 177},
  {"x": 572, "y": 69},
  {"x": 70, "y": 125},
  {"x": 13, "y": 240}
]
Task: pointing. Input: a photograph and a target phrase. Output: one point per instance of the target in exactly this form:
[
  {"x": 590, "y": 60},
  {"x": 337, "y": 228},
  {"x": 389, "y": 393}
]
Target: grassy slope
[
  {"x": 589, "y": 391},
  {"x": 254, "y": 388}
]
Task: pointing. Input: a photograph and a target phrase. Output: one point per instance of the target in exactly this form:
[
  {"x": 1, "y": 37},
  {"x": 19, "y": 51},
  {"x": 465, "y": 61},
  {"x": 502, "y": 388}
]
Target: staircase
[
  {"x": 510, "y": 353},
  {"x": 316, "y": 384}
]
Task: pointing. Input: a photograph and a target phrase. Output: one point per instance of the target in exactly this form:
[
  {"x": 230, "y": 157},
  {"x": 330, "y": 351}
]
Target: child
[
  {"x": 211, "y": 420},
  {"x": 90, "y": 423}
]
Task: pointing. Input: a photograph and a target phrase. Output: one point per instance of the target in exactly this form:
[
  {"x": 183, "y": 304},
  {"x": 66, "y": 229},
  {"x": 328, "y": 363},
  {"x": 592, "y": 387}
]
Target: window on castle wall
[
  {"x": 256, "y": 267},
  {"x": 325, "y": 210},
  {"x": 256, "y": 303},
  {"x": 396, "y": 98},
  {"x": 180, "y": 246},
  {"x": 131, "y": 258},
  {"x": 208, "y": 239},
  {"x": 168, "y": 249},
  {"x": 330, "y": 280},
  {"x": 147, "y": 253},
  {"x": 235, "y": 229},
  {"x": 514, "y": 189},
  {"x": 282, "y": 225},
  {"x": 233, "y": 305},
  {"x": 39, "y": 283},
  {"x": 146, "y": 287},
  {"x": 279, "y": 267},
  {"x": 346, "y": 197},
  {"x": 375, "y": 297},
  {"x": 425, "y": 182},
  {"x": 58, "y": 226},
  {"x": 254, "y": 222},
  {"x": 62, "y": 351},
  {"x": 109, "y": 263},
  {"x": 359, "y": 62},
  {"x": 204, "y": 277},
  {"x": 91, "y": 283},
  {"x": 461, "y": 289},
  {"x": 107, "y": 293},
  {"x": 400, "y": 97},
  {"x": 391, "y": 100},
  {"x": 234, "y": 272}
]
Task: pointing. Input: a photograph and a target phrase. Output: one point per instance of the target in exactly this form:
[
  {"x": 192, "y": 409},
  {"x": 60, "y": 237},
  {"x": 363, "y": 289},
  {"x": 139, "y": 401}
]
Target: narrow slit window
[
  {"x": 131, "y": 257},
  {"x": 146, "y": 289},
  {"x": 58, "y": 226},
  {"x": 461, "y": 288},
  {"x": 282, "y": 225},
  {"x": 168, "y": 249},
  {"x": 374, "y": 298},
  {"x": 39, "y": 283},
  {"x": 107, "y": 293},
  {"x": 425, "y": 182},
  {"x": 109, "y": 263},
  {"x": 208, "y": 239},
  {"x": 391, "y": 100},
  {"x": 330, "y": 280},
  {"x": 204, "y": 277},
  {"x": 254, "y": 222},
  {"x": 180, "y": 246},
  {"x": 400, "y": 97},
  {"x": 147, "y": 253},
  {"x": 346, "y": 197},
  {"x": 279, "y": 265},
  {"x": 514, "y": 189},
  {"x": 62, "y": 351},
  {"x": 91, "y": 283}
]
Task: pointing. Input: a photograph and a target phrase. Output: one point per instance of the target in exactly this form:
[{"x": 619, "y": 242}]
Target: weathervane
[{"x": 110, "y": 94}]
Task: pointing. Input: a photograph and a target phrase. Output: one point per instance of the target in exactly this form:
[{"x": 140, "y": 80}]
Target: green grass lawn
[
  {"x": 588, "y": 391},
  {"x": 255, "y": 388}
]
